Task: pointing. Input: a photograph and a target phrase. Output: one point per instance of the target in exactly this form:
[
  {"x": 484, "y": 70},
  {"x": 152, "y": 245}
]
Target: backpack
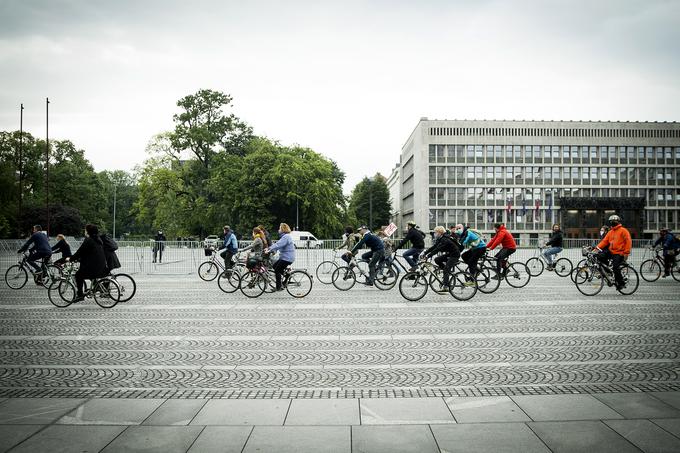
[
  {"x": 108, "y": 243},
  {"x": 479, "y": 235}
]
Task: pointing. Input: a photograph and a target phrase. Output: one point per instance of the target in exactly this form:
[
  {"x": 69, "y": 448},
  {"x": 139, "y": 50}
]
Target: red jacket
[
  {"x": 504, "y": 238},
  {"x": 619, "y": 241}
]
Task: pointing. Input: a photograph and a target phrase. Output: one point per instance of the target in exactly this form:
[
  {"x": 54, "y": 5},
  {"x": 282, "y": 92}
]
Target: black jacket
[
  {"x": 416, "y": 237},
  {"x": 40, "y": 243},
  {"x": 63, "y": 247},
  {"x": 92, "y": 258},
  {"x": 556, "y": 239},
  {"x": 110, "y": 247},
  {"x": 445, "y": 244}
]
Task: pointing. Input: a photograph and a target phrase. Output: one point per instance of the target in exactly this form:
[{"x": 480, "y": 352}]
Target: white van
[{"x": 305, "y": 239}]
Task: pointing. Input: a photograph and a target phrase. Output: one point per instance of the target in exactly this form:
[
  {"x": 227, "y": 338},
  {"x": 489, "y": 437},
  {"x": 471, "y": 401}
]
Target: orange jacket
[{"x": 619, "y": 241}]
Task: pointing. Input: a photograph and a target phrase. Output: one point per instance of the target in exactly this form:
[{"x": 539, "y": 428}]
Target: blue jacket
[
  {"x": 668, "y": 242},
  {"x": 41, "y": 244},
  {"x": 230, "y": 242},
  {"x": 470, "y": 238},
  {"x": 372, "y": 241},
  {"x": 285, "y": 247}
]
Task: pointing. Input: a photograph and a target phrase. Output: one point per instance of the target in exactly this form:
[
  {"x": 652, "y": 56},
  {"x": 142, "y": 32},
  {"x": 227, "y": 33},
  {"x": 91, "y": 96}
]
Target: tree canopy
[{"x": 369, "y": 203}]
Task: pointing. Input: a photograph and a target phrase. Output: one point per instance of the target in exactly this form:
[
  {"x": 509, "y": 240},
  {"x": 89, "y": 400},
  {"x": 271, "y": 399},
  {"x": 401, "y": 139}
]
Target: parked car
[
  {"x": 305, "y": 239},
  {"x": 211, "y": 241}
]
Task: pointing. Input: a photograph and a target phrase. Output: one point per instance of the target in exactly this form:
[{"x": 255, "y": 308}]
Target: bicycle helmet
[{"x": 614, "y": 220}]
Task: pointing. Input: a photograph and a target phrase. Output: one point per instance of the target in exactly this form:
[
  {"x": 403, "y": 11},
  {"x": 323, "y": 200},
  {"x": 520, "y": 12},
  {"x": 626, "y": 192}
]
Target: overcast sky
[{"x": 348, "y": 79}]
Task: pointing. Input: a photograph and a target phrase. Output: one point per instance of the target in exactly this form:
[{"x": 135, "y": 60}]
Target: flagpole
[
  {"x": 21, "y": 168},
  {"x": 47, "y": 162}
]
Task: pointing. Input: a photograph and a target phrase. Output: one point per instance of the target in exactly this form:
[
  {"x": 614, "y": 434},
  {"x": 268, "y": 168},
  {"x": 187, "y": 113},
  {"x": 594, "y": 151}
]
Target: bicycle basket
[
  {"x": 208, "y": 251},
  {"x": 253, "y": 261}
]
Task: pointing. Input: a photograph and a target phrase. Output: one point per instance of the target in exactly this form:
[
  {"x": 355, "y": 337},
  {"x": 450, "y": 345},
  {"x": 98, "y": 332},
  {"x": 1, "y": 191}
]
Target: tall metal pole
[
  {"x": 21, "y": 167},
  {"x": 297, "y": 214},
  {"x": 370, "y": 205},
  {"x": 114, "y": 211},
  {"x": 47, "y": 162}
]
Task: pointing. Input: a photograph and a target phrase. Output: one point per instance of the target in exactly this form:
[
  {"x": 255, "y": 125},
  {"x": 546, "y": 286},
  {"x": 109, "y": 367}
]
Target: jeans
[
  {"x": 411, "y": 256},
  {"x": 501, "y": 257},
  {"x": 376, "y": 257},
  {"x": 158, "y": 252},
  {"x": 550, "y": 252}
]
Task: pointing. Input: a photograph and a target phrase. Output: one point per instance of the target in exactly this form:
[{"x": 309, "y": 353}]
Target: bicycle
[
  {"x": 298, "y": 283},
  {"x": 650, "y": 269},
  {"x": 105, "y": 290},
  {"x": 210, "y": 269},
  {"x": 325, "y": 269},
  {"x": 536, "y": 264},
  {"x": 344, "y": 277},
  {"x": 127, "y": 285},
  {"x": 591, "y": 277},
  {"x": 16, "y": 276},
  {"x": 515, "y": 274},
  {"x": 414, "y": 284}
]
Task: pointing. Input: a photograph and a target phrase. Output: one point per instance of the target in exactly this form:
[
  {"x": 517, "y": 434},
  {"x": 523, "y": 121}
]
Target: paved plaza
[{"x": 185, "y": 367}]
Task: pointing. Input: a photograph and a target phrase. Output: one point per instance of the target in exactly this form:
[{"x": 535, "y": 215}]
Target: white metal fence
[{"x": 184, "y": 257}]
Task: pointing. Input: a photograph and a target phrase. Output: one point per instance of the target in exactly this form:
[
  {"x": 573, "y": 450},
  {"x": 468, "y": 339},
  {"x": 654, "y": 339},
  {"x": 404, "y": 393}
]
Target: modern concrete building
[
  {"x": 394, "y": 187},
  {"x": 530, "y": 174}
]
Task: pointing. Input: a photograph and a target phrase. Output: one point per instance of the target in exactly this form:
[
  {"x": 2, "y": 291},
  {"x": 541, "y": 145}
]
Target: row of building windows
[
  {"x": 553, "y": 132},
  {"x": 457, "y": 153},
  {"x": 530, "y": 175},
  {"x": 519, "y": 198}
]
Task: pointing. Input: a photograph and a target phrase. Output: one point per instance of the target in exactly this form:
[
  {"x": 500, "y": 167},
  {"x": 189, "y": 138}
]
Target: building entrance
[{"x": 582, "y": 217}]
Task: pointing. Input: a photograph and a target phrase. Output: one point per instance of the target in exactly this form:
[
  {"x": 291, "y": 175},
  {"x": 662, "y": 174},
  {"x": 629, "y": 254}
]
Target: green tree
[{"x": 369, "y": 203}]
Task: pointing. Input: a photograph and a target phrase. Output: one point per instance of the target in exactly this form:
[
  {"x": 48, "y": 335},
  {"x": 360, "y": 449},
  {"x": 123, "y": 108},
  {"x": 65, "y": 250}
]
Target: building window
[
  {"x": 470, "y": 151},
  {"x": 612, "y": 173},
  {"x": 659, "y": 153},
  {"x": 479, "y": 151},
  {"x": 604, "y": 173},
  {"x": 593, "y": 152},
  {"x": 641, "y": 152},
  {"x": 649, "y": 152},
  {"x": 631, "y": 152},
  {"x": 565, "y": 152}
]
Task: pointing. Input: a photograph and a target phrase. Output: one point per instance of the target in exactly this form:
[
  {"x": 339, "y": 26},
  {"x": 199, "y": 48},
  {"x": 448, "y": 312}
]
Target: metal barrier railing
[{"x": 182, "y": 257}]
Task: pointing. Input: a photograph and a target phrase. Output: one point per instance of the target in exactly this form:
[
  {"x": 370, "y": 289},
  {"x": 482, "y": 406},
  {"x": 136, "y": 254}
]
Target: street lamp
[{"x": 114, "y": 210}]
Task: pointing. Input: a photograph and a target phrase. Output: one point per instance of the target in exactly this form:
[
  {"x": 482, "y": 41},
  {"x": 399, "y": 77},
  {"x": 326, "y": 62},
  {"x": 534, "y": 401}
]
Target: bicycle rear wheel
[
  {"x": 324, "y": 272},
  {"x": 252, "y": 284},
  {"x": 61, "y": 293},
  {"x": 344, "y": 278},
  {"x": 517, "y": 275},
  {"x": 386, "y": 278},
  {"x": 16, "y": 277},
  {"x": 462, "y": 286},
  {"x": 535, "y": 266},
  {"x": 436, "y": 280},
  {"x": 650, "y": 270},
  {"x": 106, "y": 292},
  {"x": 563, "y": 267},
  {"x": 299, "y": 284},
  {"x": 675, "y": 270},
  {"x": 487, "y": 280},
  {"x": 579, "y": 265},
  {"x": 413, "y": 286},
  {"x": 631, "y": 280},
  {"x": 589, "y": 280},
  {"x": 228, "y": 281},
  {"x": 208, "y": 271},
  {"x": 127, "y": 284}
]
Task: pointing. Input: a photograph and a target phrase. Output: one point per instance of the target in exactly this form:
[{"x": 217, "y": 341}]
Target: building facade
[
  {"x": 394, "y": 188},
  {"x": 531, "y": 174}
]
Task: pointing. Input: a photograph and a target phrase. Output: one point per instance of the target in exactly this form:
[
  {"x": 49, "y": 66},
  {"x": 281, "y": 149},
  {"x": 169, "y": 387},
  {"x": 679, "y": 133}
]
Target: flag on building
[
  {"x": 489, "y": 215},
  {"x": 508, "y": 207},
  {"x": 537, "y": 216},
  {"x": 524, "y": 205}
]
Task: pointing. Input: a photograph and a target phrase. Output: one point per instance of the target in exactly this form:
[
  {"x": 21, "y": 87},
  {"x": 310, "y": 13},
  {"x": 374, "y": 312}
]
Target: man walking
[{"x": 159, "y": 246}]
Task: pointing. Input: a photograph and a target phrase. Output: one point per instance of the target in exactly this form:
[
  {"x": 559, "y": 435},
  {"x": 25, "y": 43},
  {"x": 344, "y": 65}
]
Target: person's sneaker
[
  {"x": 666, "y": 275},
  {"x": 443, "y": 288},
  {"x": 78, "y": 299}
]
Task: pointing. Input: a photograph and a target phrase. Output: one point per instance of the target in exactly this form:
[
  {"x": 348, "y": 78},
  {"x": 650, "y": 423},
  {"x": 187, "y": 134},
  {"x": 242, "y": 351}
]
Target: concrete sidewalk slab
[
  {"x": 485, "y": 409},
  {"x": 175, "y": 412},
  {"x": 645, "y": 435},
  {"x": 638, "y": 405},
  {"x": 581, "y": 436},
  {"x": 221, "y": 439},
  {"x": 35, "y": 411},
  {"x": 670, "y": 398},
  {"x": 386, "y": 411},
  {"x": 672, "y": 425},
  {"x": 69, "y": 438},
  {"x": 296, "y": 439},
  {"x": 11, "y": 435},
  {"x": 564, "y": 407},
  {"x": 155, "y": 439},
  {"x": 393, "y": 439},
  {"x": 488, "y": 437},
  {"x": 321, "y": 412},
  {"x": 242, "y": 412},
  {"x": 104, "y": 411}
]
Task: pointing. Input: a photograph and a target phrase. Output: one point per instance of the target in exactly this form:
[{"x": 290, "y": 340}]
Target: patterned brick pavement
[{"x": 183, "y": 338}]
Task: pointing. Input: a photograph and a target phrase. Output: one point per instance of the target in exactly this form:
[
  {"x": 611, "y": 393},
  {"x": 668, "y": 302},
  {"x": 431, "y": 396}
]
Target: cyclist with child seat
[
  {"x": 417, "y": 239},
  {"x": 503, "y": 238},
  {"x": 286, "y": 249},
  {"x": 40, "y": 248},
  {"x": 449, "y": 247},
  {"x": 474, "y": 247},
  {"x": 555, "y": 244},
  {"x": 619, "y": 242},
  {"x": 671, "y": 246},
  {"x": 375, "y": 255}
]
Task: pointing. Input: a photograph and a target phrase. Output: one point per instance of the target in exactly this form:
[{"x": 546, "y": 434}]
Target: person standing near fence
[{"x": 159, "y": 246}]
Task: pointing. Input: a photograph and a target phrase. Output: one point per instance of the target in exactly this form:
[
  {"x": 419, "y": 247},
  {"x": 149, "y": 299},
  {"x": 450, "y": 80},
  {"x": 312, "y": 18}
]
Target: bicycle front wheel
[
  {"x": 228, "y": 281},
  {"x": 61, "y": 293},
  {"x": 208, "y": 271},
  {"x": 579, "y": 265},
  {"x": 106, "y": 293},
  {"x": 16, "y": 277},
  {"x": 324, "y": 272},
  {"x": 462, "y": 286},
  {"x": 344, "y": 278},
  {"x": 252, "y": 284},
  {"x": 563, "y": 267},
  {"x": 631, "y": 281},
  {"x": 517, "y": 275},
  {"x": 589, "y": 280},
  {"x": 386, "y": 278},
  {"x": 299, "y": 284},
  {"x": 487, "y": 280},
  {"x": 413, "y": 286},
  {"x": 675, "y": 270},
  {"x": 650, "y": 270},
  {"x": 127, "y": 284},
  {"x": 535, "y": 266}
]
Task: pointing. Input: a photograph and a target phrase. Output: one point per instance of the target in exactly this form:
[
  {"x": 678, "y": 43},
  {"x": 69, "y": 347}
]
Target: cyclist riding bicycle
[
  {"x": 286, "y": 248},
  {"x": 349, "y": 238},
  {"x": 389, "y": 250},
  {"x": 619, "y": 242},
  {"x": 449, "y": 247},
  {"x": 555, "y": 243},
  {"x": 256, "y": 248},
  {"x": 375, "y": 255},
  {"x": 417, "y": 239},
  {"x": 474, "y": 247},
  {"x": 229, "y": 247},
  {"x": 61, "y": 247},
  {"x": 503, "y": 238},
  {"x": 40, "y": 248},
  {"x": 671, "y": 247},
  {"x": 92, "y": 260}
]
